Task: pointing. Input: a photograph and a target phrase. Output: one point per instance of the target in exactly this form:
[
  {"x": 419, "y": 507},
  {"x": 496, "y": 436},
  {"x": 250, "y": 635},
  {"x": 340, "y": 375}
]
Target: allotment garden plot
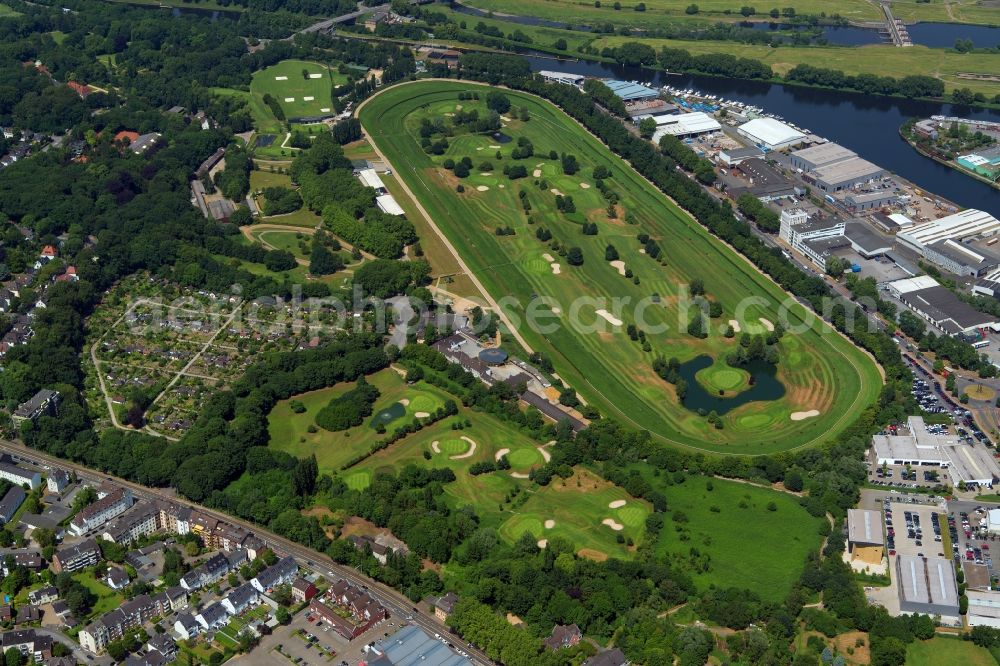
[
  {"x": 163, "y": 351},
  {"x": 516, "y": 230}
]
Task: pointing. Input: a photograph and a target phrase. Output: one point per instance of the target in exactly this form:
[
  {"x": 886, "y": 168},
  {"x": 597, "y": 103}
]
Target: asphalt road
[{"x": 400, "y": 606}]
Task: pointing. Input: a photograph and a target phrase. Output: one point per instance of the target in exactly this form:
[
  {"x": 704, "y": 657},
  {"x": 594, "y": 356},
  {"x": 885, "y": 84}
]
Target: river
[
  {"x": 867, "y": 125},
  {"x": 934, "y": 35}
]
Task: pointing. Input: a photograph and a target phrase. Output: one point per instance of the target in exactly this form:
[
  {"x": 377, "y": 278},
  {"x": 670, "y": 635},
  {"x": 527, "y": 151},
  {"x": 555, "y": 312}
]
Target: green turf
[
  {"x": 820, "y": 369},
  {"x": 947, "y": 651},
  {"x": 6, "y": 11},
  {"x": 107, "y": 599},
  {"x": 289, "y": 431},
  {"x": 522, "y": 458},
  {"x": 297, "y": 87},
  {"x": 722, "y": 377},
  {"x": 749, "y": 547},
  {"x": 451, "y": 447}
]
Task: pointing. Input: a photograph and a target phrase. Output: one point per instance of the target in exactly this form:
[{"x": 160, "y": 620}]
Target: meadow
[
  {"x": 881, "y": 59},
  {"x": 747, "y": 544},
  {"x": 820, "y": 370},
  {"x": 946, "y": 651}
]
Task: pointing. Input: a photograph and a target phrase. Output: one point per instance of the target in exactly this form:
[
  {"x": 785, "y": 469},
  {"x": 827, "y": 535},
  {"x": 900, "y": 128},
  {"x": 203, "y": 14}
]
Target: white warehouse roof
[
  {"x": 388, "y": 204},
  {"x": 685, "y": 124},
  {"x": 901, "y": 220},
  {"x": 370, "y": 179},
  {"x": 970, "y": 222},
  {"x": 907, "y": 285},
  {"x": 771, "y": 133}
]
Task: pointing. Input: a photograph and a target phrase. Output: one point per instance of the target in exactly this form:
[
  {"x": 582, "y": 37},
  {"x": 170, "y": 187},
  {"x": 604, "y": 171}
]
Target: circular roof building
[{"x": 493, "y": 356}]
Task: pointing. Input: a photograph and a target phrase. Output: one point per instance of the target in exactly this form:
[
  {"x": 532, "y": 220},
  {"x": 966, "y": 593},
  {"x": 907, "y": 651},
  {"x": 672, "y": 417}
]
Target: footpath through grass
[{"x": 820, "y": 370}]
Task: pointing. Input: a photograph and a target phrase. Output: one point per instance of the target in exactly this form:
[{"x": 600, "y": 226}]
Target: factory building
[
  {"x": 969, "y": 223},
  {"x": 858, "y": 202},
  {"x": 685, "y": 125},
  {"x": 940, "y": 306},
  {"x": 733, "y": 156},
  {"x": 845, "y": 174},
  {"x": 771, "y": 134},
  {"x": 866, "y": 242},
  {"x": 960, "y": 259},
  {"x": 629, "y": 91},
  {"x": 927, "y": 585},
  {"x": 814, "y": 157},
  {"x": 966, "y": 463},
  {"x": 814, "y": 238},
  {"x": 565, "y": 78},
  {"x": 865, "y": 541}
]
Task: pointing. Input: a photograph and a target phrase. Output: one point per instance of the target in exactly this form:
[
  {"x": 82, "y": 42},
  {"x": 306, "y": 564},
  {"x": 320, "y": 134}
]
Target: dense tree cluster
[{"x": 348, "y": 409}]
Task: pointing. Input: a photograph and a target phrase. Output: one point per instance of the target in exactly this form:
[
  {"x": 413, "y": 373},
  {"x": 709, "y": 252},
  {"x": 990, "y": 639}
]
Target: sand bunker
[
  {"x": 642, "y": 250},
  {"x": 308, "y": 99},
  {"x": 479, "y": 148},
  {"x": 545, "y": 454},
  {"x": 536, "y": 173},
  {"x": 549, "y": 524},
  {"x": 613, "y": 524},
  {"x": 467, "y": 454},
  {"x": 556, "y": 192},
  {"x": 325, "y": 110},
  {"x": 458, "y": 107},
  {"x": 617, "y": 504},
  {"x": 505, "y": 119},
  {"x": 584, "y": 186},
  {"x": 316, "y": 76},
  {"x": 520, "y": 475},
  {"x": 485, "y": 173},
  {"x": 556, "y": 269},
  {"x": 501, "y": 186},
  {"x": 501, "y": 453},
  {"x": 799, "y": 416},
  {"x": 767, "y": 324},
  {"x": 556, "y": 311},
  {"x": 482, "y": 188},
  {"x": 281, "y": 78},
  {"x": 495, "y": 147},
  {"x": 610, "y": 317},
  {"x": 542, "y": 543},
  {"x": 620, "y": 265},
  {"x": 422, "y": 415},
  {"x": 548, "y": 257},
  {"x": 435, "y": 446},
  {"x": 405, "y": 402},
  {"x": 289, "y": 99},
  {"x": 735, "y": 324}
]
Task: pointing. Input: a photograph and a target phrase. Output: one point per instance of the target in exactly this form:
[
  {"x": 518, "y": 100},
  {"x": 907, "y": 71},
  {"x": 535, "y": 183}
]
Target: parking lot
[{"x": 314, "y": 644}]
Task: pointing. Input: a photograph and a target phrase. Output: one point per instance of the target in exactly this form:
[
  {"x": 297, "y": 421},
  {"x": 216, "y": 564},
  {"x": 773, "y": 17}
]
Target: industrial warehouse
[
  {"x": 833, "y": 168},
  {"x": 940, "y": 306},
  {"x": 966, "y": 463},
  {"x": 685, "y": 125},
  {"x": 771, "y": 134},
  {"x": 927, "y": 585},
  {"x": 865, "y": 540}
]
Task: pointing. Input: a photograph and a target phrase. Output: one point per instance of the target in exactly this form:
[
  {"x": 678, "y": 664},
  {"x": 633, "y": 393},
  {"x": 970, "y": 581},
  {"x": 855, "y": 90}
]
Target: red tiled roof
[
  {"x": 80, "y": 89},
  {"x": 126, "y": 134}
]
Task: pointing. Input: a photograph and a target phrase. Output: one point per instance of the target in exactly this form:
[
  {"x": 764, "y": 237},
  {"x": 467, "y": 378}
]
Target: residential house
[
  {"x": 240, "y": 599},
  {"x": 163, "y": 644},
  {"x": 303, "y": 590},
  {"x": 142, "y": 520},
  {"x": 28, "y": 614},
  {"x": 281, "y": 573},
  {"x": 445, "y": 605},
  {"x": 212, "y": 616},
  {"x": 11, "y": 502},
  {"x": 213, "y": 569},
  {"x": 76, "y": 557},
  {"x": 29, "y": 559},
  {"x": 28, "y": 643},
  {"x": 562, "y": 636},
  {"x": 186, "y": 626},
  {"x": 43, "y": 595},
  {"x": 113, "y": 625},
  {"x": 19, "y": 476},
  {"x": 117, "y": 578},
  {"x": 363, "y": 543},
  {"x": 57, "y": 480},
  {"x": 111, "y": 505}
]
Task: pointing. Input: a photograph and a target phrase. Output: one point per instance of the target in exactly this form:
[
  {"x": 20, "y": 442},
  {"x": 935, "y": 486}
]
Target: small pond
[{"x": 764, "y": 386}]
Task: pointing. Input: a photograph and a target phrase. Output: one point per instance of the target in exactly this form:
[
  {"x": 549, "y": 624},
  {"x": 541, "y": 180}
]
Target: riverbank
[{"x": 948, "y": 163}]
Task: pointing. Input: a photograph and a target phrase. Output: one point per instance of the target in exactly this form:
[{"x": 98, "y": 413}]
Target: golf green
[
  {"x": 358, "y": 480},
  {"x": 723, "y": 378},
  {"x": 453, "y": 447},
  {"x": 524, "y": 457}
]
